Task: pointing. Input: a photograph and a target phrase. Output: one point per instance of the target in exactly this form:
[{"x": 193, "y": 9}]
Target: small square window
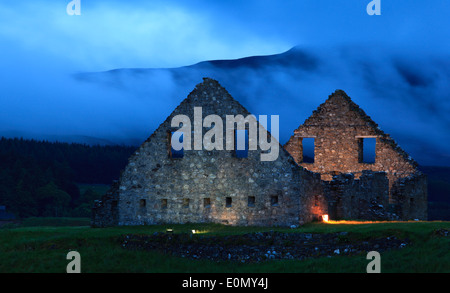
[
  {"x": 207, "y": 202},
  {"x": 251, "y": 201},
  {"x": 274, "y": 200},
  {"x": 164, "y": 203},
  {"x": 228, "y": 202},
  {"x": 142, "y": 203},
  {"x": 185, "y": 202}
]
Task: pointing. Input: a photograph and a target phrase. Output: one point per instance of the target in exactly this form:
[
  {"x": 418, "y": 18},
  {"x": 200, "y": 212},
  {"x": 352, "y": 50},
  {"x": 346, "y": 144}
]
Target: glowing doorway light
[{"x": 325, "y": 218}]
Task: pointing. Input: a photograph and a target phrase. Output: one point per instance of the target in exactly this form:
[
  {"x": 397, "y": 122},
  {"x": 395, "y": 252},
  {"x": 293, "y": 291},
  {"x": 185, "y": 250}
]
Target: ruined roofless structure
[
  {"x": 220, "y": 186},
  {"x": 339, "y": 130}
]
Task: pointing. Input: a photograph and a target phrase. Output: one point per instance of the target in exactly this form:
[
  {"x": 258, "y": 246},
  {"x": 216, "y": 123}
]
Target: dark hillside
[{"x": 39, "y": 178}]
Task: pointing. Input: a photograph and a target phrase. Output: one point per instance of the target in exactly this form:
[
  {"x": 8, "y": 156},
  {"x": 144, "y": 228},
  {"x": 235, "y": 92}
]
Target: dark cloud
[
  {"x": 395, "y": 66},
  {"x": 415, "y": 77},
  {"x": 294, "y": 83}
]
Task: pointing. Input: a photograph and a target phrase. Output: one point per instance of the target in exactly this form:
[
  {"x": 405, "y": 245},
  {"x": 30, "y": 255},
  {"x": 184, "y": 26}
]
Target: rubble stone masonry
[
  {"x": 209, "y": 186},
  {"x": 338, "y": 127},
  {"x": 219, "y": 187}
]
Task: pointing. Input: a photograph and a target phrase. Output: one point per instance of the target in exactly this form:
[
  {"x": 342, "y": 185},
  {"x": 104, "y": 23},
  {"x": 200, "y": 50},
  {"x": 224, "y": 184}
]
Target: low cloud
[
  {"x": 415, "y": 115},
  {"x": 61, "y": 74}
]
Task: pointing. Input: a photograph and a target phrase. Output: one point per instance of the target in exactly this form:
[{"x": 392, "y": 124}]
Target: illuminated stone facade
[
  {"x": 339, "y": 128},
  {"x": 219, "y": 187},
  {"x": 207, "y": 186}
]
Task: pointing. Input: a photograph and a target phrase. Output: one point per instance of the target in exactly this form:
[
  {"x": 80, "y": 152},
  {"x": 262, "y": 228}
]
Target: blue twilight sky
[
  {"x": 164, "y": 33},
  {"x": 41, "y": 47}
]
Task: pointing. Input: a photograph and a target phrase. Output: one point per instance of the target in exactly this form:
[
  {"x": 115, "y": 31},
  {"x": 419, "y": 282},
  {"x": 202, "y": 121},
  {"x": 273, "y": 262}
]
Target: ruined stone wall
[
  {"x": 365, "y": 198},
  {"x": 211, "y": 186},
  {"x": 105, "y": 212},
  {"x": 217, "y": 186},
  {"x": 314, "y": 199},
  {"x": 338, "y": 126},
  {"x": 411, "y": 194}
]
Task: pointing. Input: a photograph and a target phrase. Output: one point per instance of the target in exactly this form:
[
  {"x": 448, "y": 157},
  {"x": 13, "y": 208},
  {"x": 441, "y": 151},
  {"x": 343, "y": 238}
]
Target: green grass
[
  {"x": 52, "y": 222},
  {"x": 41, "y": 245}
]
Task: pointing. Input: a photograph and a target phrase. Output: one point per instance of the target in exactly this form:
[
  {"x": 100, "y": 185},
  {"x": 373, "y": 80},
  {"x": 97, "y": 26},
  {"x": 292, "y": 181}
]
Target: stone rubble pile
[{"x": 261, "y": 246}]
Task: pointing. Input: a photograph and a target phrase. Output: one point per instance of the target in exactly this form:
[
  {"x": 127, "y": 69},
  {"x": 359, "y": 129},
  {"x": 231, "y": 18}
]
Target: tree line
[{"x": 41, "y": 178}]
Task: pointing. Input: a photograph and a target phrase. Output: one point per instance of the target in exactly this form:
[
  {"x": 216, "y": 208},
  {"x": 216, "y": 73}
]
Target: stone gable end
[
  {"x": 211, "y": 186},
  {"x": 339, "y": 128},
  {"x": 218, "y": 186}
]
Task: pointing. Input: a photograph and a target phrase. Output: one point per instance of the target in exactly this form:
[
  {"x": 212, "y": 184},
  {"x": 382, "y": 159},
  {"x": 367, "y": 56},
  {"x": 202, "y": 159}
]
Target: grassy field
[{"x": 41, "y": 245}]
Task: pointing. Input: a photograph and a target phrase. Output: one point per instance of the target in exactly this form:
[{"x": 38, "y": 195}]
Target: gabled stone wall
[
  {"x": 211, "y": 186},
  {"x": 219, "y": 187},
  {"x": 338, "y": 127}
]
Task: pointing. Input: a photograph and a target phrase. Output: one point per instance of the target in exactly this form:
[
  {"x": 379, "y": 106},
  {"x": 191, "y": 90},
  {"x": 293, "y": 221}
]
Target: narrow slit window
[
  {"x": 185, "y": 202},
  {"x": 164, "y": 203},
  {"x": 251, "y": 201},
  {"x": 207, "y": 202},
  {"x": 142, "y": 203},
  {"x": 274, "y": 200},
  {"x": 308, "y": 144},
  {"x": 176, "y": 150},
  {"x": 367, "y": 148},
  {"x": 241, "y": 143},
  {"x": 228, "y": 202}
]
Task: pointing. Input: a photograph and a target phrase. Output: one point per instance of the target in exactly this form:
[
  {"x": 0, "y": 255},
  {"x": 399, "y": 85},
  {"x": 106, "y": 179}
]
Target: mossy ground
[{"x": 41, "y": 245}]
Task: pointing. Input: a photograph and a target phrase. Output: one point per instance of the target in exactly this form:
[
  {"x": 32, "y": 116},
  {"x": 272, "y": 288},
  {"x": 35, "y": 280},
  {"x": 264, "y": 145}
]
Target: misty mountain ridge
[{"x": 408, "y": 95}]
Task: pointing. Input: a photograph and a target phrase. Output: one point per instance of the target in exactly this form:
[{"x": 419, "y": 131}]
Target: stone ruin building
[
  {"x": 219, "y": 186},
  {"x": 358, "y": 184}
]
